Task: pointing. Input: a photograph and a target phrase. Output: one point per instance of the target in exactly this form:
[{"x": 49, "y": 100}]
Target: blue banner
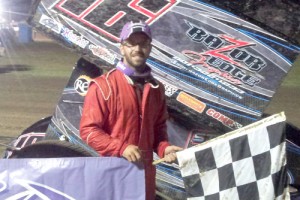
[{"x": 71, "y": 178}]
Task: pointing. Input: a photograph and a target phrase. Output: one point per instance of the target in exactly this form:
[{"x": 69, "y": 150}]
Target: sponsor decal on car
[
  {"x": 209, "y": 78},
  {"x": 225, "y": 53},
  {"x": 51, "y": 23},
  {"x": 81, "y": 84},
  {"x": 223, "y": 119},
  {"x": 98, "y": 18},
  {"x": 191, "y": 102},
  {"x": 169, "y": 89},
  {"x": 198, "y": 136},
  {"x": 74, "y": 38},
  {"x": 103, "y": 53}
]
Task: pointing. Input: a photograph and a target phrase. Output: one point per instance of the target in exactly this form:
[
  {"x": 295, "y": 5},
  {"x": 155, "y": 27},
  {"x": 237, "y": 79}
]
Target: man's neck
[
  {"x": 129, "y": 71},
  {"x": 139, "y": 69}
]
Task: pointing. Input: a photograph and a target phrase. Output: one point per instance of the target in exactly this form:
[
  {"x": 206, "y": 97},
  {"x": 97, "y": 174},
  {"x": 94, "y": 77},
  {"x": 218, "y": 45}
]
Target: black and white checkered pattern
[{"x": 245, "y": 165}]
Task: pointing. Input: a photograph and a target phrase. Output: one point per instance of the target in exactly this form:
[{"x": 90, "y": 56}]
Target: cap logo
[{"x": 131, "y": 27}]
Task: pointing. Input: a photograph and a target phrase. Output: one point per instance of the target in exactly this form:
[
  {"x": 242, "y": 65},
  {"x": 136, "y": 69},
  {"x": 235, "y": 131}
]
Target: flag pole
[{"x": 155, "y": 162}]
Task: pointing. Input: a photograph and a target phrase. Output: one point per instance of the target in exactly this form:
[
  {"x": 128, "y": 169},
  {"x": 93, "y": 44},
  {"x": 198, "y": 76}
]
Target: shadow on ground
[{"x": 13, "y": 68}]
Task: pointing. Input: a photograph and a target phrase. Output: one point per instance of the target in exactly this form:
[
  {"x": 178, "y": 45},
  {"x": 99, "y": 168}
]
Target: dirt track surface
[
  {"x": 32, "y": 78},
  {"x": 30, "y": 88},
  {"x": 287, "y": 99}
]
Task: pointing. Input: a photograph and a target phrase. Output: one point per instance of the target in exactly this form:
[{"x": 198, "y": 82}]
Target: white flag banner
[{"x": 246, "y": 164}]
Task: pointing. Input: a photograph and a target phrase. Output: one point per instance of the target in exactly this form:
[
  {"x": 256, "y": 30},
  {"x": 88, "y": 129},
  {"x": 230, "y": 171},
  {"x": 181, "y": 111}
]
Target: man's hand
[
  {"x": 132, "y": 153},
  {"x": 170, "y": 155}
]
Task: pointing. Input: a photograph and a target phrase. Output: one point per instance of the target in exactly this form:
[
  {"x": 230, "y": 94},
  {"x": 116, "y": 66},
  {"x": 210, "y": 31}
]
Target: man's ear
[{"x": 122, "y": 50}]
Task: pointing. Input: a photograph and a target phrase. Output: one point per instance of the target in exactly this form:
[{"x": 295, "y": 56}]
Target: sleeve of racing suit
[
  {"x": 94, "y": 115},
  {"x": 161, "y": 136}
]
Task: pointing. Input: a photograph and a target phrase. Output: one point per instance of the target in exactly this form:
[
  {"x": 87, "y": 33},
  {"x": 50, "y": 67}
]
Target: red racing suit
[{"x": 114, "y": 116}]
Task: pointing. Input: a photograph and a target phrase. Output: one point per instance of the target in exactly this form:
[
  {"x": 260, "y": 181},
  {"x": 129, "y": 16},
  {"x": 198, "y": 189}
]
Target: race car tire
[{"x": 51, "y": 149}]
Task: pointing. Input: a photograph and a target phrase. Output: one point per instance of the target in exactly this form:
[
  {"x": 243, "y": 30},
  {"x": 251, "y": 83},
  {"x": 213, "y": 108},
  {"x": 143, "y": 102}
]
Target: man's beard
[{"x": 141, "y": 60}]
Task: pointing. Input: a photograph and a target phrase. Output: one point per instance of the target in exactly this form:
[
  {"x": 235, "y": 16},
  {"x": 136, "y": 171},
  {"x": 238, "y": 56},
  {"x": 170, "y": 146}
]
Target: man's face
[{"x": 135, "y": 50}]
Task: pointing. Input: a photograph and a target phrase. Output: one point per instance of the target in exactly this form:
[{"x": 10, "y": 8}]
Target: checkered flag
[{"x": 249, "y": 163}]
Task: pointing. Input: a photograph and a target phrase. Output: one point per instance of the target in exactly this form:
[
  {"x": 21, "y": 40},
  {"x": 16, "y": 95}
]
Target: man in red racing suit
[{"x": 125, "y": 112}]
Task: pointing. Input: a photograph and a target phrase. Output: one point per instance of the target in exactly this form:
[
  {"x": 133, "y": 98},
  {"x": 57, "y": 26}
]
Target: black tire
[
  {"x": 40, "y": 126},
  {"x": 51, "y": 149}
]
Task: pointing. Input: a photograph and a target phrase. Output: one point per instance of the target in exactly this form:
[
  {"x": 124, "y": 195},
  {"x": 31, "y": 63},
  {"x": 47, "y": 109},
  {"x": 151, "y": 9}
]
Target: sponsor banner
[{"x": 71, "y": 178}]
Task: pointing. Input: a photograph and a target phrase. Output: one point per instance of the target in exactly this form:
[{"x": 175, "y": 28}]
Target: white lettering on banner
[
  {"x": 36, "y": 189},
  {"x": 3, "y": 186}
]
